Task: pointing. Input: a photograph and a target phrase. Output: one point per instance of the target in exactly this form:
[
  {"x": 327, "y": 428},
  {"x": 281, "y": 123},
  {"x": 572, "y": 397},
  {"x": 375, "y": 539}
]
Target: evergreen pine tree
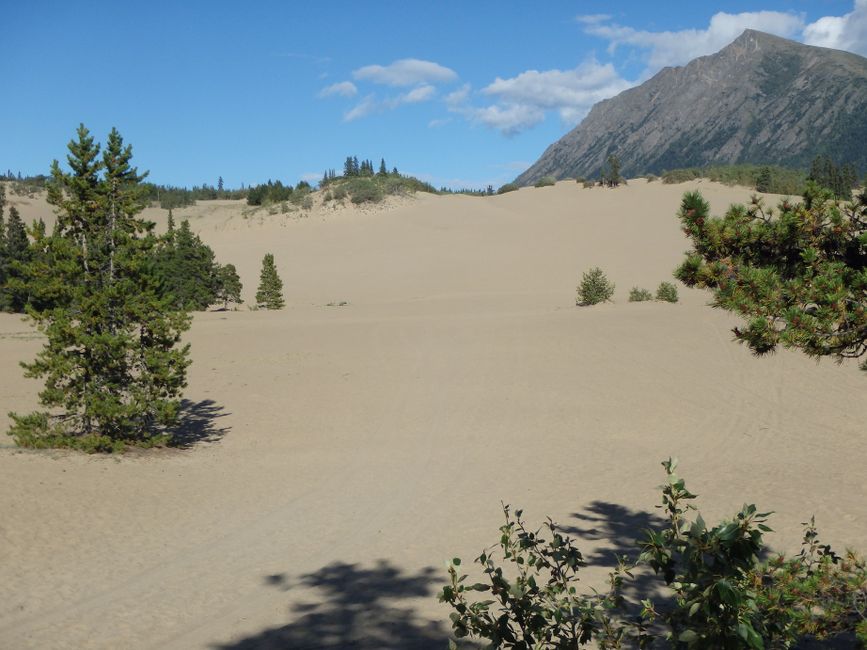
[
  {"x": 383, "y": 170},
  {"x": 112, "y": 371},
  {"x": 798, "y": 279},
  {"x": 16, "y": 252},
  {"x": 270, "y": 292},
  {"x": 763, "y": 181},
  {"x": 220, "y": 185},
  {"x": 3, "y": 258},
  {"x": 187, "y": 269},
  {"x": 228, "y": 285}
]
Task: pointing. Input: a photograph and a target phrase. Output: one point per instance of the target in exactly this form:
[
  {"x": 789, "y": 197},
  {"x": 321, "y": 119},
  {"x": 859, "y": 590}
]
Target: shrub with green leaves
[
  {"x": 594, "y": 288},
  {"x": 722, "y": 594},
  {"x": 364, "y": 190},
  {"x": 545, "y": 181},
  {"x": 666, "y": 292},
  {"x": 508, "y": 187},
  {"x": 639, "y": 295}
]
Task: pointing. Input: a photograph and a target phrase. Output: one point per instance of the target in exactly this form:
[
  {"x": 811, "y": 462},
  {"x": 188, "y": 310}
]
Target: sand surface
[{"x": 349, "y": 451}]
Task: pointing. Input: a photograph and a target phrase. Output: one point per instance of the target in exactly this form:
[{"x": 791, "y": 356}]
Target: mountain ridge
[{"x": 761, "y": 99}]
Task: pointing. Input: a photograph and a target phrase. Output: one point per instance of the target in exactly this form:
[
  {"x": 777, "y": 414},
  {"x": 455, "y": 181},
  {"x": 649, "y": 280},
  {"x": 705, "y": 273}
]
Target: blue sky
[{"x": 458, "y": 93}]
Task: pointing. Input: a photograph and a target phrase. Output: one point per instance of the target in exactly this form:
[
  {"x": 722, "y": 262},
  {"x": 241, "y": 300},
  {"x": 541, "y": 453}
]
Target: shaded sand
[{"x": 350, "y": 450}]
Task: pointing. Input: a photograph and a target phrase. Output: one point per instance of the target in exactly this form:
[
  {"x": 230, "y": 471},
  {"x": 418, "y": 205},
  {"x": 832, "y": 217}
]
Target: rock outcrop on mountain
[{"x": 761, "y": 99}]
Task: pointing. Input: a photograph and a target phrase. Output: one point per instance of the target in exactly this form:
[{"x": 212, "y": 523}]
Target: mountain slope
[{"x": 761, "y": 99}]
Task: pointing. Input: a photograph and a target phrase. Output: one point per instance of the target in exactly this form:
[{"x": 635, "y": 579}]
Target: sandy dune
[{"x": 351, "y": 450}]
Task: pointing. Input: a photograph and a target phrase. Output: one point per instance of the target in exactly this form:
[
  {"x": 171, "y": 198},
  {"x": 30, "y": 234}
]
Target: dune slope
[{"x": 345, "y": 452}]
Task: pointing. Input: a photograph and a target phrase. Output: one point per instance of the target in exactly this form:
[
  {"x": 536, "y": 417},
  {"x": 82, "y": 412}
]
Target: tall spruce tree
[
  {"x": 3, "y": 257},
  {"x": 16, "y": 253},
  {"x": 187, "y": 269},
  {"x": 112, "y": 366},
  {"x": 270, "y": 292}
]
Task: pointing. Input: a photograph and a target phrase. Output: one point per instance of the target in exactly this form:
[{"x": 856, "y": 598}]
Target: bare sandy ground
[{"x": 349, "y": 451}]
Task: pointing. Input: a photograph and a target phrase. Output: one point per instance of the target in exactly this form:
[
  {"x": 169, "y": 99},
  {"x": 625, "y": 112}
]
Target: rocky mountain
[{"x": 761, "y": 99}]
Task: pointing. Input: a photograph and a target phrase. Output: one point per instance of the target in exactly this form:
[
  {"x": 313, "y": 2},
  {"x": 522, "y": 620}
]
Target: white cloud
[
  {"x": 680, "y": 47},
  {"x": 419, "y": 94},
  {"x": 342, "y": 89},
  {"x": 434, "y": 124},
  {"x": 311, "y": 177},
  {"x": 370, "y": 104},
  {"x": 406, "y": 72},
  {"x": 848, "y": 32},
  {"x": 522, "y": 101},
  {"x": 363, "y": 108},
  {"x": 592, "y": 19},
  {"x": 571, "y": 92}
]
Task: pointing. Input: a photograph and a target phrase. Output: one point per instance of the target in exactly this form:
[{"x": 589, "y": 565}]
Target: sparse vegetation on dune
[
  {"x": 773, "y": 179},
  {"x": 594, "y": 288}
]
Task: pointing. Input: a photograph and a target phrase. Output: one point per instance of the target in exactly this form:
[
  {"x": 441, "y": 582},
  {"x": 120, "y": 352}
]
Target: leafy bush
[
  {"x": 589, "y": 184},
  {"x": 545, "y": 181},
  {"x": 639, "y": 295},
  {"x": 650, "y": 178},
  {"x": 364, "y": 190},
  {"x": 666, "y": 292},
  {"x": 508, "y": 187},
  {"x": 580, "y": 180},
  {"x": 594, "y": 288},
  {"x": 723, "y": 595}
]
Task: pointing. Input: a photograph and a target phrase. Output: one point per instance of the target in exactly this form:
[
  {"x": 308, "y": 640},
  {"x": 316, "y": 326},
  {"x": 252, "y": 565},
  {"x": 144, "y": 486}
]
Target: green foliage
[
  {"x": 766, "y": 178},
  {"x": 269, "y": 193},
  {"x": 14, "y": 254},
  {"x": 536, "y": 605},
  {"x": 187, "y": 271},
  {"x": 112, "y": 369},
  {"x": 639, "y": 295},
  {"x": 611, "y": 172},
  {"x": 666, "y": 292},
  {"x": 799, "y": 278},
  {"x": 724, "y": 595},
  {"x": 508, "y": 187},
  {"x": 364, "y": 190},
  {"x": 169, "y": 197},
  {"x": 839, "y": 179},
  {"x": 228, "y": 285},
  {"x": 270, "y": 292},
  {"x": 545, "y": 181},
  {"x": 594, "y": 288}
]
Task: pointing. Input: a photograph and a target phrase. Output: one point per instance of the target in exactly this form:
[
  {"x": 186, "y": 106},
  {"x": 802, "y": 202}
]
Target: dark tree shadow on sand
[
  {"x": 354, "y": 607},
  {"x": 616, "y": 529},
  {"x": 197, "y": 423}
]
